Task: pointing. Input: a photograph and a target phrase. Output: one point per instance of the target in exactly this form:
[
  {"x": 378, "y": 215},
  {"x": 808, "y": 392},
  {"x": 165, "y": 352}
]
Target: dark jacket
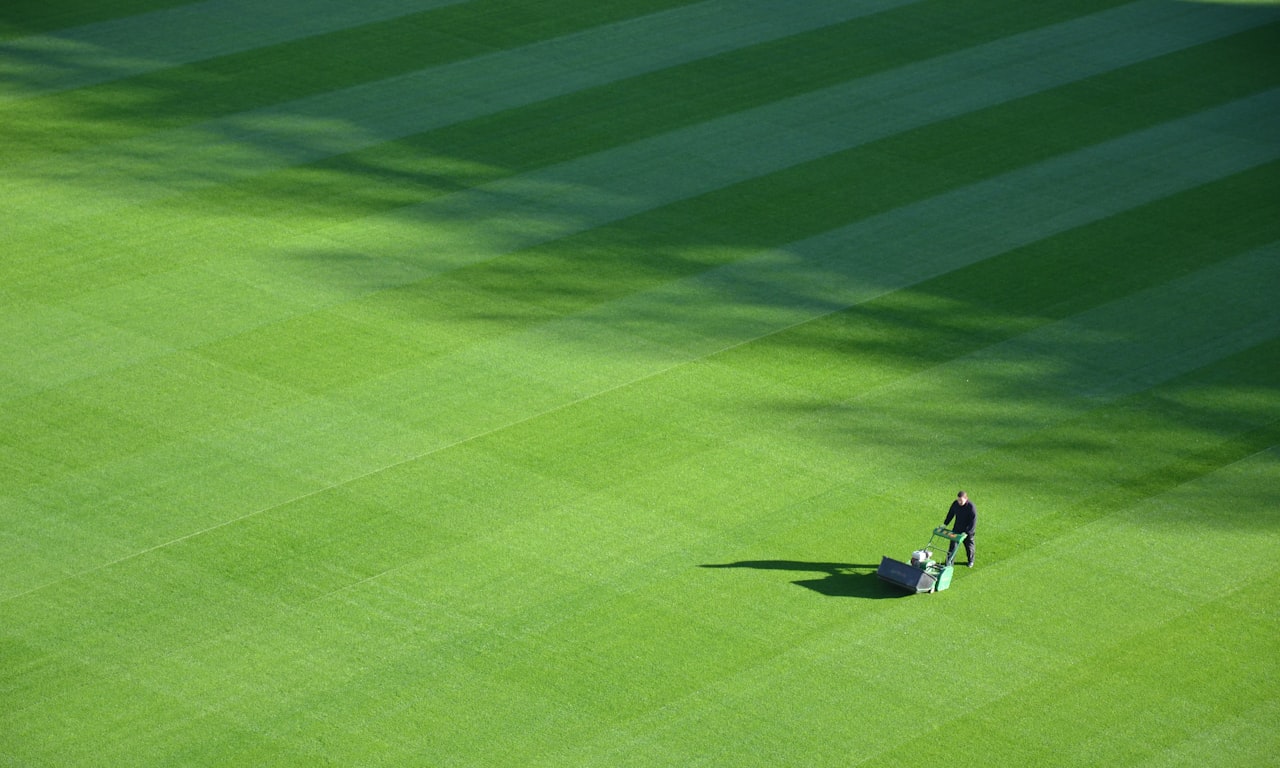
[{"x": 965, "y": 515}]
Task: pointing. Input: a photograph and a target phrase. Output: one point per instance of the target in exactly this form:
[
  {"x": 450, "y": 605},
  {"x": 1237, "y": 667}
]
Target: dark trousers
[{"x": 968, "y": 550}]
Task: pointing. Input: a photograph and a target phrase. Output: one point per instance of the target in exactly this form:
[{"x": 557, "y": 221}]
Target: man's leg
[
  {"x": 968, "y": 548},
  {"x": 951, "y": 554}
]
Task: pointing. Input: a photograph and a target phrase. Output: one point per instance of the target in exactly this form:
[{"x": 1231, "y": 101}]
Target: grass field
[{"x": 509, "y": 383}]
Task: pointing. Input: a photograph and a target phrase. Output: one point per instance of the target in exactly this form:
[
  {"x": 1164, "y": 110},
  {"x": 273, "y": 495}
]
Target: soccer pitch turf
[{"x": 500, "y": 383}]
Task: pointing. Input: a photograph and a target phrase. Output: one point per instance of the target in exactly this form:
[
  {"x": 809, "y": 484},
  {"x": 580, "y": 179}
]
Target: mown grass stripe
[
  {"x": 709, "y": 137},
  {"x": 595, "y": 119},
  {"x": 605, "y": 187},
  {"x": 125, "y": 47},
  {"x": 184, "y": 95},
  {"x": 991, "y": 139},
  {"x": 422, "y": 75},
  {"x": 86, "y": 230},
  {"x": 1135, "y": 343}
]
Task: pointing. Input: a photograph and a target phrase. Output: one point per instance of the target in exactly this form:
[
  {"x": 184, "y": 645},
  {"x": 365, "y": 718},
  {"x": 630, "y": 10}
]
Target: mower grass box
[{"x": 922, "y": 574}]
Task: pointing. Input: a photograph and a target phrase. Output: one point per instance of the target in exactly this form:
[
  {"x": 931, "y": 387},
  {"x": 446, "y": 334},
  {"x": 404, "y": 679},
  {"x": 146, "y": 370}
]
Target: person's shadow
[{"x": 841, "y": 579}]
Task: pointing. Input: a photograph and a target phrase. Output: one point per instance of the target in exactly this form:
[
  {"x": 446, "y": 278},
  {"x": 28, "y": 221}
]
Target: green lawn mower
[{"x": 922, "y": 574}]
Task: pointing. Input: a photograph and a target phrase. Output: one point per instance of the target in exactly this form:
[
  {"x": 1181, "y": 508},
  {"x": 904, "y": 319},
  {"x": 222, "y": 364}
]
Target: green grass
[{"x": 507, "y": 384}]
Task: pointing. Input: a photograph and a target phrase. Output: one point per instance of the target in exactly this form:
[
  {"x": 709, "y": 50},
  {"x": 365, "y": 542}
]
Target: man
[{"x": 966, "y": 520}]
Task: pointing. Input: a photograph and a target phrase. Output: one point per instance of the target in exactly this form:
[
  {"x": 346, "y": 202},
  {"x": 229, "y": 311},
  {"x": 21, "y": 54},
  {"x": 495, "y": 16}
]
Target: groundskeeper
[{"x": 965, "y": 516}]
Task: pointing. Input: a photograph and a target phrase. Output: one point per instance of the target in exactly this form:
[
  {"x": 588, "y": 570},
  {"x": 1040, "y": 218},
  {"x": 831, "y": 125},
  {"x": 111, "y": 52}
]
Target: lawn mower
[{"x": 922, "y": 574}]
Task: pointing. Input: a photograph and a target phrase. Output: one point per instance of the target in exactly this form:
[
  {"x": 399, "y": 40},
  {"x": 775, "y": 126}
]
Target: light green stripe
[{"x": 120, "y": 48}]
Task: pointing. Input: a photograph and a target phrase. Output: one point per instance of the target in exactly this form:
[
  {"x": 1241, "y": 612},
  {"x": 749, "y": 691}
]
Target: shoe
[{"x": 970, "y": 565}]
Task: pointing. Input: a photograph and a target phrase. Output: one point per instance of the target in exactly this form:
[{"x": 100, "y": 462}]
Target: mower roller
[{"x": 922, "y": 574}]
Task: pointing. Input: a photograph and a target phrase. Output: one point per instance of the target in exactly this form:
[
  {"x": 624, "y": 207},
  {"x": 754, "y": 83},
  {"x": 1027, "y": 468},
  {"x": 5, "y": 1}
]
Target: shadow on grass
[{"x": 841, "y": 580}]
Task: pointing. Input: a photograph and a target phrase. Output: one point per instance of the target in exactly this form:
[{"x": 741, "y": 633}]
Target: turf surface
[{"x": 484, "y": 382}]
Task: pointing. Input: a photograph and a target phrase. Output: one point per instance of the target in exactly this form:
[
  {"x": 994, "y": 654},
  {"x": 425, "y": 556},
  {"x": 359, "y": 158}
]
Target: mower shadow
[{"x": 842, "y": 579}]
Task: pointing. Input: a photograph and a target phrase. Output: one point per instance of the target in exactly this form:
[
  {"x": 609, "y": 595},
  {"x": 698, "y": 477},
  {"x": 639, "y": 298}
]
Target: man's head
[{"x": 962, "y": 497}]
